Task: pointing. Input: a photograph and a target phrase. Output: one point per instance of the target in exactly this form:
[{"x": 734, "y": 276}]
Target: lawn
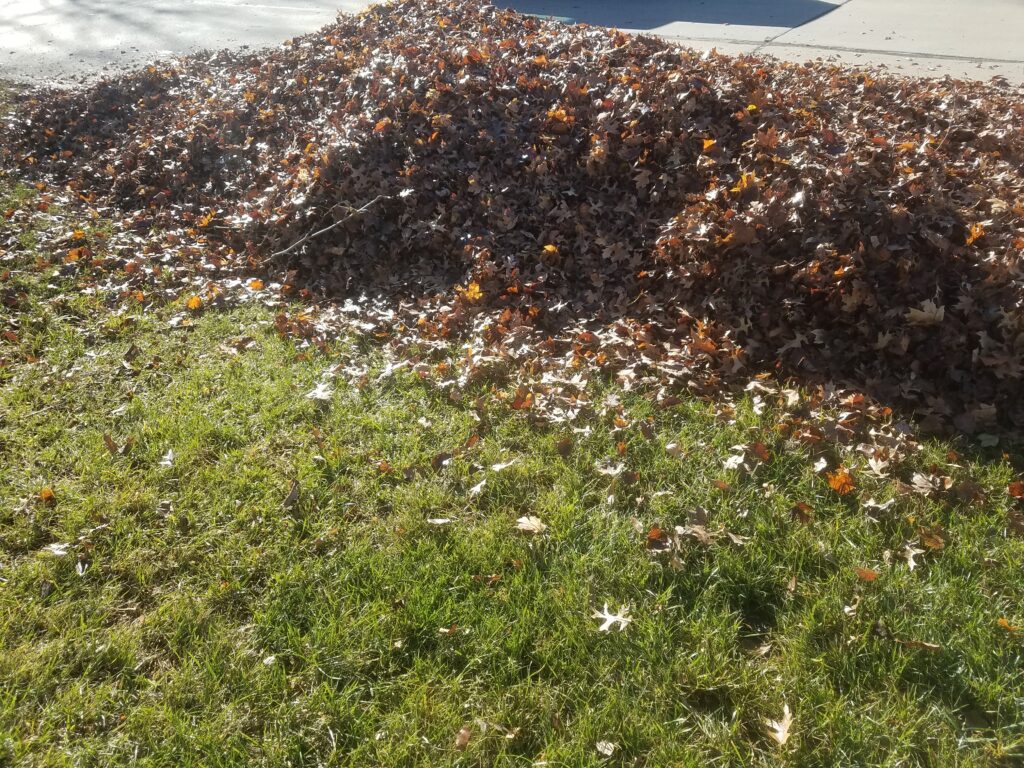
[{"x": 219, "y": 547}]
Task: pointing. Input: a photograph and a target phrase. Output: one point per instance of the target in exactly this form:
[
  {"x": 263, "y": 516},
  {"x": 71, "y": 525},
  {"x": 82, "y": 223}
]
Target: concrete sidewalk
[{"x": 73, "y": 40}]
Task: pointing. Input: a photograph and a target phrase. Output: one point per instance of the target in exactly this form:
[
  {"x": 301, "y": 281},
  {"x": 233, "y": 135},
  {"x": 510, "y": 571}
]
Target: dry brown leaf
[{"x": 779, "y": 730}]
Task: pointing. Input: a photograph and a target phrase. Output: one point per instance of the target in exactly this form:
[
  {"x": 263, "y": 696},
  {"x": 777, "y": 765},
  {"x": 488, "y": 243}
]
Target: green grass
[{"x": 200, "y": 617}]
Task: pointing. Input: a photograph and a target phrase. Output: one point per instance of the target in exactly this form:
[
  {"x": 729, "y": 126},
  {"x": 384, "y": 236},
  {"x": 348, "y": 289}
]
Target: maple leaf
[
  {"x": 779, "y": 729},
  {"x": 610, "y": 620}
]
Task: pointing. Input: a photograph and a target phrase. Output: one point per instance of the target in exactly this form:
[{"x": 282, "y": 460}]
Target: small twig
[{"x": 306, "y": 238}]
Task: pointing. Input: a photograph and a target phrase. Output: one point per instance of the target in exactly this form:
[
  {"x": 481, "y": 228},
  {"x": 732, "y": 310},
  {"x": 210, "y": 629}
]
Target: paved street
[{"x": 70, "y": 40}]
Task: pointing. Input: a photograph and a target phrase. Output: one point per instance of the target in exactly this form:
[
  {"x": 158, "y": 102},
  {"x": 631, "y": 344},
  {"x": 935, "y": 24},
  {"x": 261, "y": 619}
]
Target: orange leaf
[
  {"x": 841, "y": 481},
  {"x": 47, "y": 496},
  {"x": 866, "y": 574},
  {"x": 256, "y": 285},
  {"x": 1016, "y": 489},
  {"x": 523, "y": 399},
  {"x": 473, "y": 292},
  {"x": 1005, "y": 624},
  {"x": 194, "y": 303}
]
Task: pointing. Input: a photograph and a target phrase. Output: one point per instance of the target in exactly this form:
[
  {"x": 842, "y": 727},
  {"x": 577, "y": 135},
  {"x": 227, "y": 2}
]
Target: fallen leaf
[
  {"x": 930, "y": 313},
  {"x": 531, "y": 524},
  {"x": 606, "y": 748},
  {"x": 1005, "y": 624},
  {"x": 779, "y": 729},
  {"x": 610, "y": 620},
  {"x": 909, "y": 553},
  {"x": 292, "y": 497},
  {"x": 803, "y": 512},
  {"x": 321, "y": 392},
  {"x": 866, "y": 574},
  {"x": 932, "y": 538},
  {"x": 841, "y": 481}
]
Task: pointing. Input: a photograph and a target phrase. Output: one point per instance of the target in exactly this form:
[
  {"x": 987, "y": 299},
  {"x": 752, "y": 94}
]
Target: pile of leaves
[{"x": 569, "y": 197}]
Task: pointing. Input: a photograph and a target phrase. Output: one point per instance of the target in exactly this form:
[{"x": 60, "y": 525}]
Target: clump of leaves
[{"x": 607, "y": 201}]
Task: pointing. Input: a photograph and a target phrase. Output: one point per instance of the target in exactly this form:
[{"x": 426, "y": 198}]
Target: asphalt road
[{"x": 69, "y": 41}]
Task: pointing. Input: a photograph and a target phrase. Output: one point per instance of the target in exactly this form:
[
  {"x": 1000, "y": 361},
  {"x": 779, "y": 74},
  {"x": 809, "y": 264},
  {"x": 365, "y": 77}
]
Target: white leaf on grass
[
  {"x": 439, "y": 521},
  {"x": 675, "y": 450},
  {"x": 875, "y": 506},
  {"x": 734, "y": 462},
  {"x": 611, "y": 619},
  {"x": 607, "y": 468},
  {"x": 168, "y": 459},
  {"x": 821, "y": 464},
  {"x": 925, "y": 484},
  {"x": 606, "y": 748},
  {"x": 779, "y": 729},
  {"x": 57, "y": 548},
  {"x": 503, "y": 465},
  {"x": 531, "y": 524},
  {"x": 909, "y": 552},
  {"x": 475, "y": 490},
  {"x": 321, "y": 391}
]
